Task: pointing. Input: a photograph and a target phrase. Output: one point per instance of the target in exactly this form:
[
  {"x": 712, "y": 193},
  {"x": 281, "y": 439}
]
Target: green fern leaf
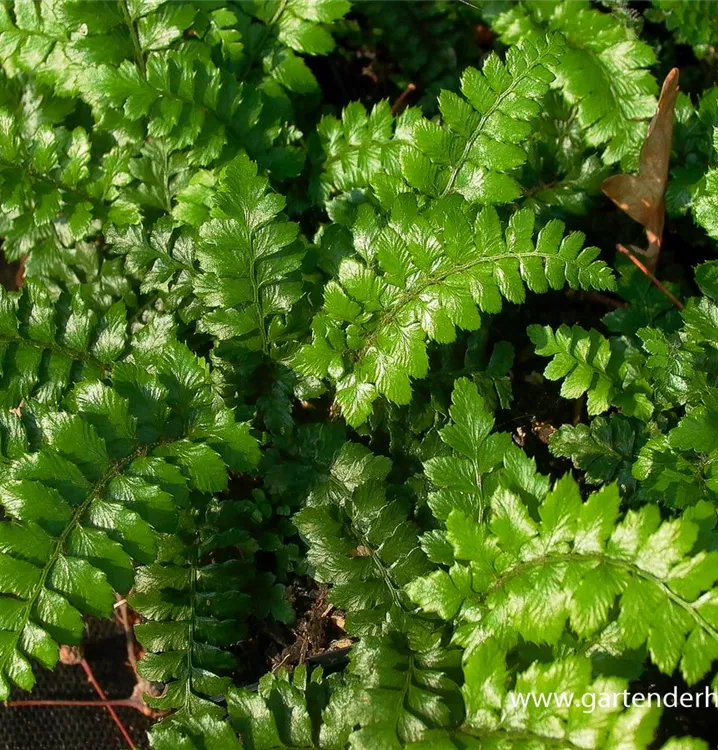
[
  {"x": 286, "y": 713},
  {"x": 83, "y": 507},
  {"x": 422, "y": 274},
  {"x": 605, "y": 449},
  {"x": 50, "y": 194},
  {"x": 202, "y": 732},
  {"x": 359, "y": 147},
  {"x": 694, "y": 23},
  {"x": 603, "y": 72},
  {"x": 249, "y": 259},
  {"x": 360, "y": 541},
  {"x": 163, "y": 262},
  {"x": 404, "y": 690},
  {"x": 588, "y": 364},
  {"x": 568, "y": 569},
  {"x": 681, "y": 467},
  {"x": 479, "y": 143},
  {"x": 46, "y": 346}
]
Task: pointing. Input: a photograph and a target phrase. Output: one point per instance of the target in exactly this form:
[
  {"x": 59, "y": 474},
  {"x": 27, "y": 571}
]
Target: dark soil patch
[{"x": 316, "y": 635}]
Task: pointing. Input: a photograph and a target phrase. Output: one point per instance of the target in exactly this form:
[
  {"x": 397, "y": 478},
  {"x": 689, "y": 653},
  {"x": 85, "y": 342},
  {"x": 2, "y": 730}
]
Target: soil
[{"x": 316, "y": 636}]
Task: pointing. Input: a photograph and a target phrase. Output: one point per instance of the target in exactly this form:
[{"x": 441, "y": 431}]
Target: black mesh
[{"x": 71, "y": 727}]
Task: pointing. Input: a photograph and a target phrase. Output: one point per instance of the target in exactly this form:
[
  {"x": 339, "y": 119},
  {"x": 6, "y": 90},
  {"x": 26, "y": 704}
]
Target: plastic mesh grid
[{"x": 73, "y": 727}]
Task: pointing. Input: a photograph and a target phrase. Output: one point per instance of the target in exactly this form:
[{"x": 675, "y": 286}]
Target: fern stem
[
  {"x": 255, "y": 298},
  {"x": 191, "y": 624},
  {"x": 139, "y": 55},
  {"x": 252, "y": 61},
  {"x": 410, "y": 295},
  {"x": 471, "y": 142}
]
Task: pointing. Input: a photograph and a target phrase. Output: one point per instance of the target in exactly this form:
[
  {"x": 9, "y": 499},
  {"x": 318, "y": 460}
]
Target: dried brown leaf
[{"x": 641, "y": 196}]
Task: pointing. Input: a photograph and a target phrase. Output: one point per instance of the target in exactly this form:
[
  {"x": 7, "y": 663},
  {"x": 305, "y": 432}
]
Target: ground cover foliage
[{"x": 256, "y": 331}]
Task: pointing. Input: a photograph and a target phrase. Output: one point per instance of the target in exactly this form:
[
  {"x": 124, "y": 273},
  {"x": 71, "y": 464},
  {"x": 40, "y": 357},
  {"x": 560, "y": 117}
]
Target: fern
[
  {"x": 588, "y": 365},
  {"x": 285, "y": 712},
  {"x": 51, "y": 198},
  {"x": 473, "y": 151},
  {"x": 650, "y": 377},
  {"x": 249, "y": 258},
  {"x": 163, "y": 261},
  {"x": 49, "y": 345},
  {"x": 681, "y": 467},
  {"x": 603, "y": 72},
  {"x": 693, "y": 23},
  {"x": 108, "y": 473},
  {"x": 480, "y": 141},
  {"x": 536, "y": 579},
  {"x": 359, "y": 147},
  {"x": 605, "y": 450},
  {"x": 197, "y": 598},
  {"x": 361, "y": 542},
  {"x": 705, "y": 204},
  {"x": 258, "y": 344},
  {"x": 420, "y": 275}
]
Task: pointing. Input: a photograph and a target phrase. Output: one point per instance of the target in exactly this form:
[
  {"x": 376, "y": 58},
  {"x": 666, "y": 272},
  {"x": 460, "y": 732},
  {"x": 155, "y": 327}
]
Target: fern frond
[
  {"x": 419, "y": 707},
  {"x": 694, "y": 23},
  {"x": 606, "y": 449},
  {"x": 472, "y": 152},
  {"x": 83, "y": 507},
  {"x": 478, "y": 461},
  {"x": 497, "y": 713},
  {"x": 360, "y": 541},
  {"x": 701, "y": 322},
  {"x": 48, "y": 345},
  {"x": 50, "y": 194},
  {"x": 163, "y": 261},
  {"x": 390, "y": 696},
  {"x": 421, "y": 274},
  {"x": 568, "y": 570},
  {"x": 196, "y": 600},
  {"x": 404, "y": 689},
  {"x": 292, "y": 711},
  {"x": 60, "y": 41},
  {"x": 705, "y": 201},
  {"x": 360, "y": 146},
  {"x": 588, "y": 365},
  {"x": 249, "y": 260},
  {"x": 680, "y": 467},
  {"x": 603, "y": 72},
  {"x": 36, "y": 39},
  {"x": 203, "y": 731},
  {"x": 479, "y": 142},
  {"x": 174, "y": 82},
  {"x": 674, "y": 366}
]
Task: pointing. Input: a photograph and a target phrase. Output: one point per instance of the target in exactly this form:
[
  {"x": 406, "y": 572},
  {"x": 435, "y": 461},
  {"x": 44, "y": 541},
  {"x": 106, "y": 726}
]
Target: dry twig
[{"x": 642, "y": 267}]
